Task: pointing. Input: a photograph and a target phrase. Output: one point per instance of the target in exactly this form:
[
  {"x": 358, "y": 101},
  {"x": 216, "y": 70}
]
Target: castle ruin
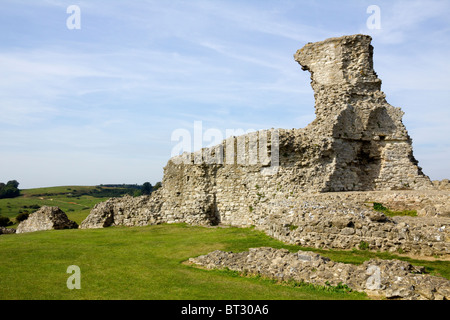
[{"x": 356, "y": 144}]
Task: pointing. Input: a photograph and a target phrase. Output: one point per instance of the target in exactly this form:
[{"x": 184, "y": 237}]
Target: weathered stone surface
[
  {"x": 356, "y": 142},
  {"x": 345, "y": 220},
  {"x": 4, "y": 230},
  {"x": 371, "y": 149},
  {"x": 393, "y": 279},
  {"x": 46, "y": 218},
  {"x": 442, "y": 185},
  {"x": 126, "y": 211}
]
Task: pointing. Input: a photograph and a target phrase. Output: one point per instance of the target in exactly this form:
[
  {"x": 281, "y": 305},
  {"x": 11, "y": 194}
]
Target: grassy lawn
[
  {"x": 136, "y": 263},
  {"x": 146, "y": 263}
]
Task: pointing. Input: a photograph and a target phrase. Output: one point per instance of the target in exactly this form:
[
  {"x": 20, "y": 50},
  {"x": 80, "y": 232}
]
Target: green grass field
[
  {"x": 143, "y": 263},
  {"x": 146, "y": 263},
  {"x": 136, "y": 263}
]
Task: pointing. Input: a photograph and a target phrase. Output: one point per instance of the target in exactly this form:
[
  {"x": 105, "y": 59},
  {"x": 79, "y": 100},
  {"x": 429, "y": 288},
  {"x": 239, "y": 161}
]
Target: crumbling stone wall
[
  {"x": 4, "y": 230},
  {"x": 46, "y": 218},
  {"x": 392, "y": 279},
  {"x": 370, "y": 147},
  {"x": 348, "y": 221},
  {"x": 356, "y": 143},
  {"x": 339, "y": 220}
]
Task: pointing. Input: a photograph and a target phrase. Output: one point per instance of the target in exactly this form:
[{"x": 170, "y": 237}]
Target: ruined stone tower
[
  {"x": 356, "y": 143},
  {"x": 371, "y": 149}
]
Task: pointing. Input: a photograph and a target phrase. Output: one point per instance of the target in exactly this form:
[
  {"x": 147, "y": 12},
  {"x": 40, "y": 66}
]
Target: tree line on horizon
[
  {"x": 11, "y": 189},
  {"x": 134, "y": 189}
]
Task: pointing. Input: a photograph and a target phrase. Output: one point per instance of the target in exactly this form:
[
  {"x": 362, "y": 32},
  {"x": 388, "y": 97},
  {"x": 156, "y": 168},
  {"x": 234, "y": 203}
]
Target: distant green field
[{"x": 75, "y": 201}]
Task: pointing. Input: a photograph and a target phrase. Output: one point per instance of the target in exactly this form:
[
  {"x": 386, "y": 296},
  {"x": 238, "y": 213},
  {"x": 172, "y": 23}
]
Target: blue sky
[{"x": 99, "y": 104}]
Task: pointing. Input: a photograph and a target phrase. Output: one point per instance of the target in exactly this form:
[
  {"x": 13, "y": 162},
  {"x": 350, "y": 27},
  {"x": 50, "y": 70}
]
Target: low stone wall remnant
[{"x": 391, "y": 279}]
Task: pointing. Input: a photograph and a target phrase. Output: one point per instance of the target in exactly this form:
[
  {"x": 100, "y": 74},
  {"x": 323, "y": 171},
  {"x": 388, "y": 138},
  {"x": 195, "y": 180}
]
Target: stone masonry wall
[
  {"x": 347, "y": 220},
  {"x": 356, "y": 143},
  {"x": 391, "y": 279},
  {"x": 46, "y": 218}
]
